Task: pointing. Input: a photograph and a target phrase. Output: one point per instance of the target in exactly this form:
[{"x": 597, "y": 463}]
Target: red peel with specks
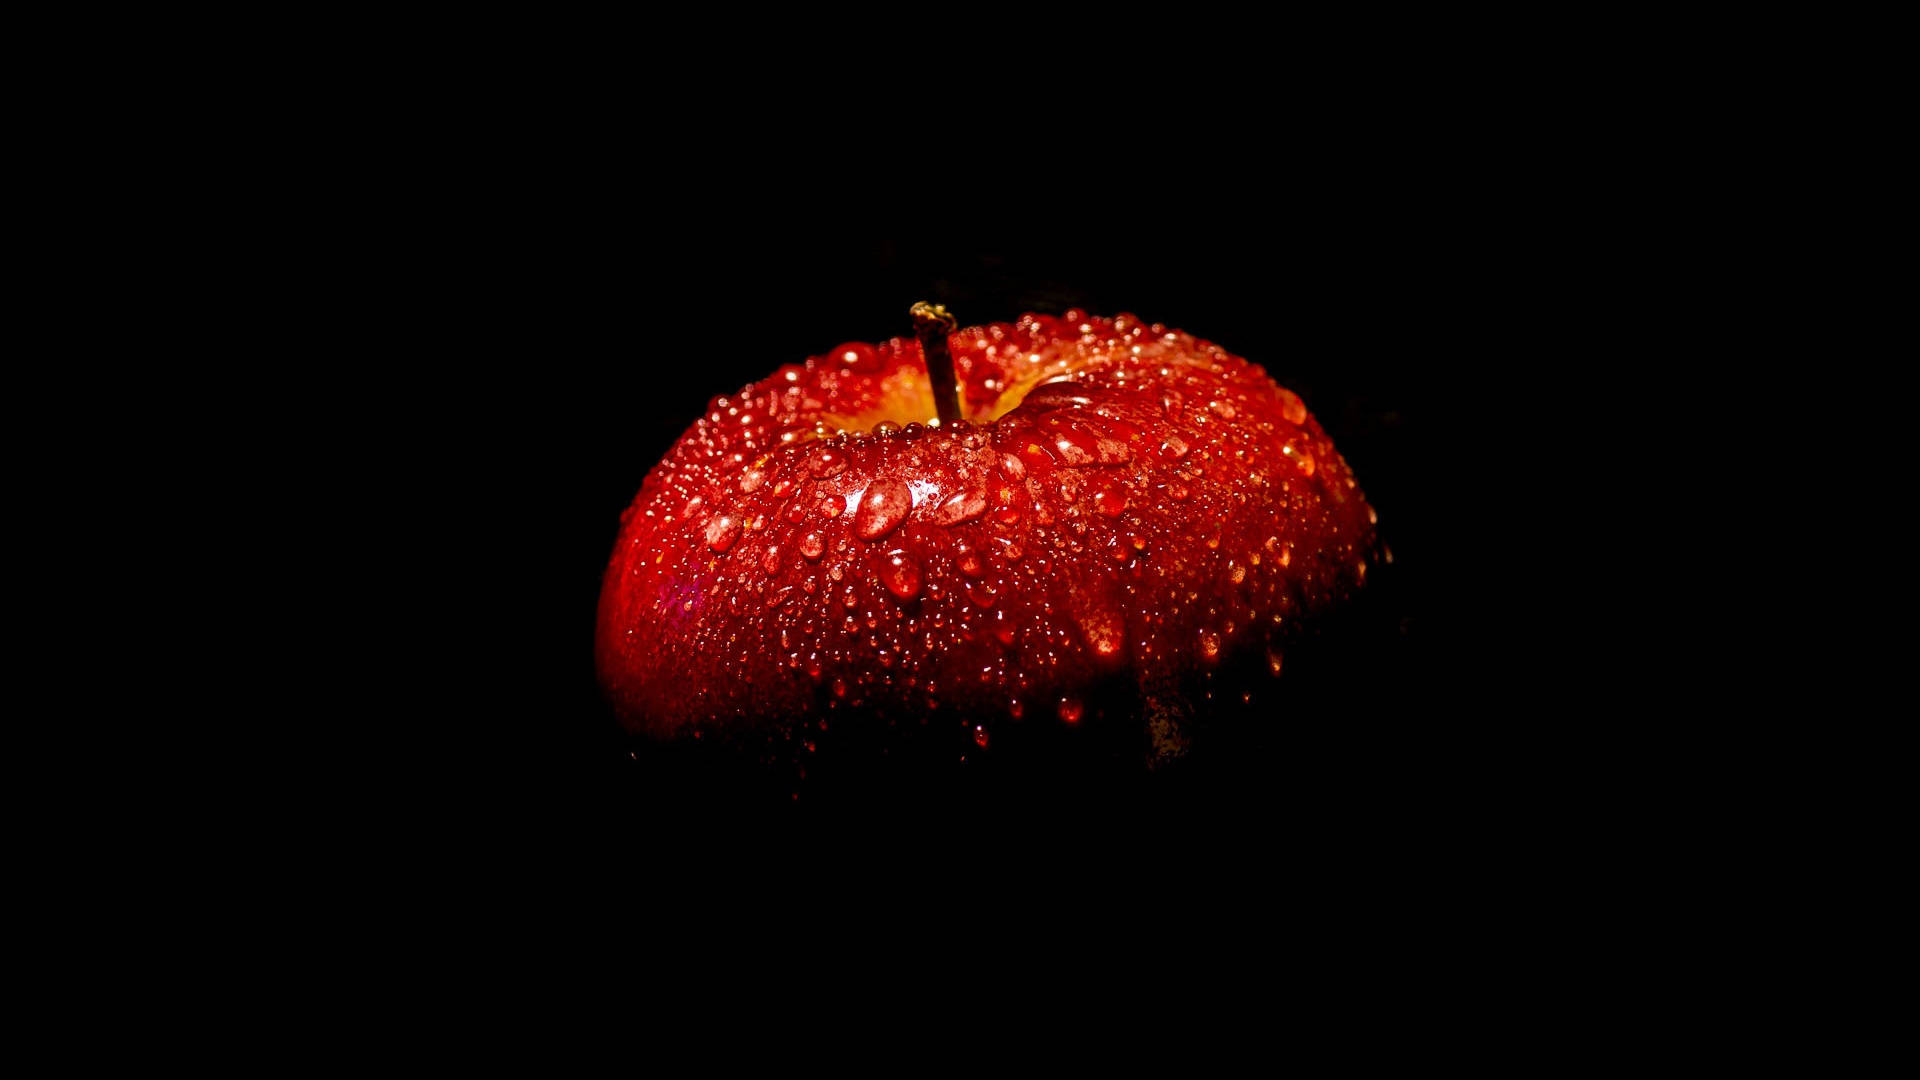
[{"x": 1123, "y": 506}]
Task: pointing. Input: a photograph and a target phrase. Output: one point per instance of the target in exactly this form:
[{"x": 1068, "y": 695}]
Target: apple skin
[{"x": 1125, "y": 509}]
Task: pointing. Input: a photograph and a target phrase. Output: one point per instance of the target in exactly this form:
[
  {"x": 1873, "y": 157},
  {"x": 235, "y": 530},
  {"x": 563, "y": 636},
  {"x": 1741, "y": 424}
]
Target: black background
[{"x": 596, "y": 325}]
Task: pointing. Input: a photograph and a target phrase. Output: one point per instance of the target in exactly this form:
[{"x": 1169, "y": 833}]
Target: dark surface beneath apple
[{"x": 635, "y": 339}]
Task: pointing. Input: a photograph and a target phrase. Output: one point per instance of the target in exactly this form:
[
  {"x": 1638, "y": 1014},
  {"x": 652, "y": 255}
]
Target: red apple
[{"x": 1120, "y": 509}]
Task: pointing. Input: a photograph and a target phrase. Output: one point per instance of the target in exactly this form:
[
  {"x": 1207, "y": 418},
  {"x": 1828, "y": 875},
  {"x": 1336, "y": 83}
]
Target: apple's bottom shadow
[{"x": 1344, "y": 743}]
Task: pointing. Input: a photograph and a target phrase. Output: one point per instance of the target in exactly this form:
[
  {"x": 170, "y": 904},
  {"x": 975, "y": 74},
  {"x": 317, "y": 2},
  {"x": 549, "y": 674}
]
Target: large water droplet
[
  {"x": 971, "y": 564},
  {"x": 1292, "y": 407},
  {"x": 1209, "y": 645},
  {"x": 900, "y": 573},
  {"x": 983, "y": 593},
  {"x": 811, "y": 545},
  {"x": 722, "y": 531},
  {"x": 1112, "y": 500},
  {"x": 1105, "y": 631},
  {"x": 1060, "y": 393},
  {"x": 827, "y": 462},
  {"x": 980, "y": 736},
  {"x": 1071, "y": 709},
  {"x": 882, "y": 509},
  {"x": 858, "y": 355},
  {"x": 770, "y": 562},
  {"x": 752, "y": 479},
  {"x": 962, "y": 506}
]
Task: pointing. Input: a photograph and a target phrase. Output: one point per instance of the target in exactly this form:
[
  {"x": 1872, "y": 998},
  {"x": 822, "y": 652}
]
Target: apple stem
[{"x": 932, "y": 324}]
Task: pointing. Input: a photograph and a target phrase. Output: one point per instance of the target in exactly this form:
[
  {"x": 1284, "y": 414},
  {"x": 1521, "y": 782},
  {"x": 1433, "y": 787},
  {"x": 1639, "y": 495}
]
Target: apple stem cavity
[{"x": 932, "y": 324}]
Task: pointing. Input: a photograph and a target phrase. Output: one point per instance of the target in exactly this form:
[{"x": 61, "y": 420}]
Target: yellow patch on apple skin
[
  {"x": 906, "y": 397},
  {"x": 1051, "y": 366}
]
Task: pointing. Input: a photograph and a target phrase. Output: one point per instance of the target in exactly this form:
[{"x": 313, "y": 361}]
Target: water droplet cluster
[{"x": 1123, "y": 503}]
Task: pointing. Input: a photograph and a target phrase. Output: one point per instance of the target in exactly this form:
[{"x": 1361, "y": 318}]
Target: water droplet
[
  {"x": 1209, "y": 645},
  {"x": 1112, "y": 500},
  {"x": 827, "y": 462},
  {"x": 1286, "y": 556},
  {"x": 1305, "y": 461},
  {"x": 882, "y": 509},
  {"x": 1071, "y": 710},
  {"x": 771, "y": 561},
  {"x": 839, "y": 688},
  {"x": 1273, "y": 660},
  {"x": 980, "y": 736},
  {"x": 752, "y": 479},
  {"x": 1292, "y": 407},
  {"x": 858, "y": 356},
  {"x": 983, "y": 593},
  {"x": 1015, "y": 709},
  {"x": 971, "y": 564},
  {"x": 1372, "y": 518},
  {"x": 722, "y": 531},
  {"x": 962, "y": 506},
  {"x": 831, "y": 506},
  {"x": 900, "y": 573},
  {"x": 1178, "y": 492},
  {"x": 1105, "y": 631},
  {"x": 1237, "y": 574},
  {"x": 1176, "y": 446},
  {"x": 1221, "y": 409}
]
